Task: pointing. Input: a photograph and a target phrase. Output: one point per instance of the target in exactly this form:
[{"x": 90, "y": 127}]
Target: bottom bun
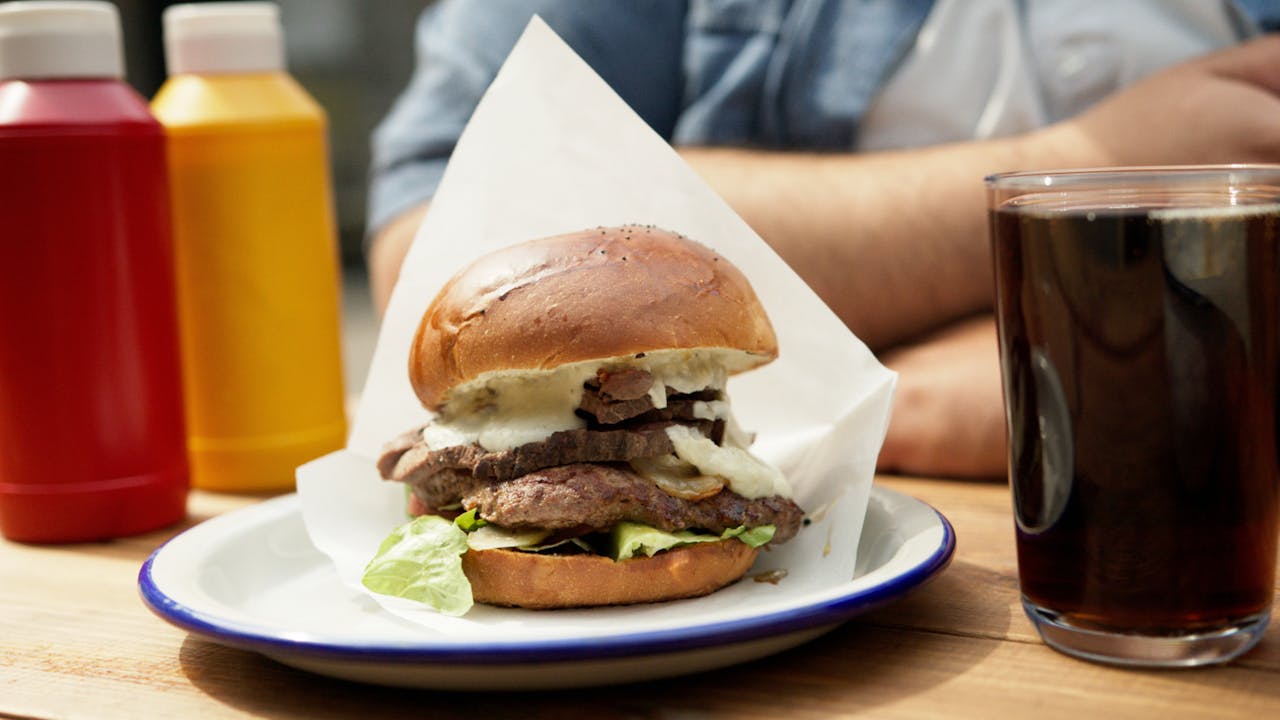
[{"x": 521, "y": 579}]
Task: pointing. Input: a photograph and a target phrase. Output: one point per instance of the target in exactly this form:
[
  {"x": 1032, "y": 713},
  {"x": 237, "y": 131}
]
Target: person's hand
[
  {"x": 948, "y": 412},
  {"x": 1220, "y": 108}
]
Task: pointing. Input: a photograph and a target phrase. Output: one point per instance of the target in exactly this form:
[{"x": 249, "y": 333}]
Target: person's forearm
[
  {"x": 386, "y": 253},
  {"x": 895, "y": 242}
]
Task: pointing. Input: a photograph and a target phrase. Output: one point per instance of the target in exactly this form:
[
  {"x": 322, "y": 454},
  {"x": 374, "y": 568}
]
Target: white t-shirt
[{"x": 1034, "y": 62}]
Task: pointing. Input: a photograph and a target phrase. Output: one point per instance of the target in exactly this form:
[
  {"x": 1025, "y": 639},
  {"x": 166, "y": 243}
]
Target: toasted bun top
[{"x": 600, "y": 293}]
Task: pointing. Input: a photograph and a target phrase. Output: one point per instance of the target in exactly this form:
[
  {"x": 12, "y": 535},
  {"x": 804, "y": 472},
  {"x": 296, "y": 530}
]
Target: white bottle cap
[
  {"x": 43, "y": 40},
  {"x": 223, "y": 37}
]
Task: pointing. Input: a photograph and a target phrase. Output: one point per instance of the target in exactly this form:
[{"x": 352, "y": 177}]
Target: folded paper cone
[{"x": 552, "y": 149}]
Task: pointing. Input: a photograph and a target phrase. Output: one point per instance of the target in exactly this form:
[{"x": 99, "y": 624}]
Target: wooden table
[{"x": 76, "y": 641}]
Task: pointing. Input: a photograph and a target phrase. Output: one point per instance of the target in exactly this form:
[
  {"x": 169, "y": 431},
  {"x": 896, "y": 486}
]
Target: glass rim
[{"x": 1138, "y": 174}]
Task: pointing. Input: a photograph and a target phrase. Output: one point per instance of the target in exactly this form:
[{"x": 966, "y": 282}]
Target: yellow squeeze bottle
[{"x": 254, "y": 235}]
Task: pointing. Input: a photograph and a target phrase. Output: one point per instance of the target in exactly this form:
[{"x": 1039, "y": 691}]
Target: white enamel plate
[{"x": 252, "y": 579}]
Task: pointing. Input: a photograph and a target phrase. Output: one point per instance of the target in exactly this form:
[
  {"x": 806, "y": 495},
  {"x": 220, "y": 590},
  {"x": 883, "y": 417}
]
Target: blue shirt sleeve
[
  {"x": 634, "y": 45},
  {"x": 1265, "y": 14}
]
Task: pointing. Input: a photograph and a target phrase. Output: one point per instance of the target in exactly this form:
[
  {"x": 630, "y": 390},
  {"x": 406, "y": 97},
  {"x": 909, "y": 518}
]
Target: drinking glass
[{"x": 1137, "y": 311}]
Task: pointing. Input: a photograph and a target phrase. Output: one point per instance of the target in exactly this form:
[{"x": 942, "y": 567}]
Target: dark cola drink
[{"x": 1139, "y": 352}]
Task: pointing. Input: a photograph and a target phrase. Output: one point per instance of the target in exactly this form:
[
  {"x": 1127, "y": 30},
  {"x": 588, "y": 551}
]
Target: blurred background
[{"x": 353, "y": 56}]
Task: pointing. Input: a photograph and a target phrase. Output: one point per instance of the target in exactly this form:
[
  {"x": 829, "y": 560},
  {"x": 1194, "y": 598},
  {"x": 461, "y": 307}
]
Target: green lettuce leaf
[
  {"x": 629, "y": 539},
  {"x": 422, "y": 561},
  {"x": 755, "y": 537},
  {"x": 469, "y": 521}
]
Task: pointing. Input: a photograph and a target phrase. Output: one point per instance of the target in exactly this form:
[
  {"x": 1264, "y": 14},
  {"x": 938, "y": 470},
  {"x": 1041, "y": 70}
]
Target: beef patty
[{"x": 591, "y": 497}]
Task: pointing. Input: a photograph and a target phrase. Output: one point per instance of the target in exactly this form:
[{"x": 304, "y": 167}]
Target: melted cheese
[
  {"x": 503, "y": 410},
  {"x": 510, "y": 411}
]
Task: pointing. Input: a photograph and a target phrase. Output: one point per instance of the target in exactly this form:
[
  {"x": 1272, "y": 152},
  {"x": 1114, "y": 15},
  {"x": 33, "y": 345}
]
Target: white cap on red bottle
[
  {"x": 223, "y": 37},
  {"x": 45, "y": 40}
]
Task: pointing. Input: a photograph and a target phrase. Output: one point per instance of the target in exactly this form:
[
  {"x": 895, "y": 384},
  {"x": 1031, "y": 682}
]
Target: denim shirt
[{"x": 774, "y": 74}]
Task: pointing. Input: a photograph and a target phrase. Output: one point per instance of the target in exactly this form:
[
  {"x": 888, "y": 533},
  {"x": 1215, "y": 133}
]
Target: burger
[{"x": 582, "y": 451}]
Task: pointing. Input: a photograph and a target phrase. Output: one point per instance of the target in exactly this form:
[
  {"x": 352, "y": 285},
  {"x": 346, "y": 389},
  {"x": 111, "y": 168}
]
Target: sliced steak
[
  {"x": 624, "y": 384},
  {"x": 617, "y": 394},
  {"x": 592, "y": 497},
  {"x": 608, "y": 410},
  {"x": 603, "y": 413}
]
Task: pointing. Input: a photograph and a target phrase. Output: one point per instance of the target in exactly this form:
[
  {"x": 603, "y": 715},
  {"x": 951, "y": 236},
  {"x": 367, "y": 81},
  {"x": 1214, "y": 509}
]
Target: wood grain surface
[{"x": 77, "y": 642}]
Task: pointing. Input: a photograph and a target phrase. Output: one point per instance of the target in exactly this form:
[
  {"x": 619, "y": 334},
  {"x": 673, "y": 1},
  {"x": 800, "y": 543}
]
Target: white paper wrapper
[{"x": 552, "y": 149}]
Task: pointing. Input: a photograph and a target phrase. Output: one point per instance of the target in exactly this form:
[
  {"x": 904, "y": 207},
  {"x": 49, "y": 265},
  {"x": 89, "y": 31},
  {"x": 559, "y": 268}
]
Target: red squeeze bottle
[{"x": 92, "y": 443}]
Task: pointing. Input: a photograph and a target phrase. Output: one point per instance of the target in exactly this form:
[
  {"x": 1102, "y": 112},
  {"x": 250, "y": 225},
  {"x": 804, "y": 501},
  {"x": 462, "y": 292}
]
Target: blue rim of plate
[{"x": 819, "y": 614}]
